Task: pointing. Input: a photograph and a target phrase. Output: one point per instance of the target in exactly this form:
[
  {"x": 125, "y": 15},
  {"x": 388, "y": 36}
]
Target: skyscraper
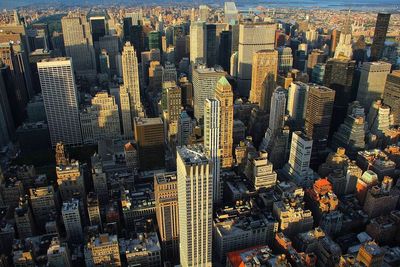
[
  {"x": 230, "y": 12},
  {"x": 285, "y": 59},
  {"x": 338, "y": 76},
  {"x": 318, "y": 116},
  {"x": 125, "y": 111},
  {"x": 224, "y": 94},
  {"x": 166, "y": 196},
  {"x": 195, "y": 190},
  {"x": 211, "y": 44},
  {"x": 79, "y": 43},
  {"x": 224, "y": 50},
  {"x": 253, "y": 37},
  {"x": 60, "y": 100},
  {"x": 99, "y": 27},
  {"x": 204, "y": 84},
  {"x": 154, "y": 40},
  {"x": 381, "y": 28},
  {"x": 72, "y": 220},
  {"x": 198, "y": 44},
  {"x": 264, "y": 75},
  {"x": 184, "y": 128},
  {"x": 344, "y": 48},
  {"x": 212, "y": 143},
  {"x": 203, "y": 13},
  {"x": 6, "y": 120},
  {"x": 131, "y": 78},
  {"x": 391, "y": 95},
  {"x": 372, "y": 82}
]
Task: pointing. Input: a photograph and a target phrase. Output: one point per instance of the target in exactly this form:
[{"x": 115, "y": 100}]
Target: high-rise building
[
  {"x": 195, "y": 190},
  {"x": 285, "y": 59},
  {"x": 224, "y": 94},
  {"x": 6, "y": 119},
  {"x": 72, "y": 220},
  {"x": 125, "y": 110},
  {"x": 230, "y": 12},
  {"x": 98, "y": 27},
  {"x": 166, "y": 195},
  {"x": 60, "y": 99},
  {"x": 297, "y": 102},
  {"x": 224, "y": 50},
  {"x": 212, "y": 143},
  {"x": 204, "y": 84},
  {"x": 318, "y": 73},
  {"x": 381, "y": 28},
  {"x": 372, "y": 82},
  {"x": 316, "y": 56},
  {"x": 171, "y": 105},
  {"x": 24, "y": 219},
  {"x": 344, "y": 48},
  {"x": 79, "y": 43},
  {"x": 264, "y": 75},
  {"x": 259, "y": 170},
  {"x": 100, "y": 120},
  {"x": 318, "y": 116},
  {"x": 131, "y": 78},
  {"x": 338, "y": 76},
  {"x": 169, "y": 74},
  {"x": 203, "y": 13},
  {"x": 391, "y": 95},
  {"x": 43, "y": 202},
  {"x": 351, "y": 134},
  {"x": 103, "y": 250},
  {"x": 211, "y": 45},
  {"x": 154, "y": 40},
  {"x": 149, "y": 135},
  {"x": 111, "y": 44},
  {"x": 298, "y": 165},
  {"x": 184, "y": 128},
  {"x": 58, "y": 254},
  {"x": 93, "y": 209},
  {"x": 198, "y": 44},
  {"x": 253, "y": 37},
  {"x": 70, "y": 180},
  {"x": 371, "y": 254}
]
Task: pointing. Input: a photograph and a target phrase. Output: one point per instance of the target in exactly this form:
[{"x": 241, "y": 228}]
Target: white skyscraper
[
  {"x": 131, "y": 78},
  {"x": 72, "y": 220},
  {"x": 60, "y": 100},
  {"x": 345, "y": 46},
  {"x": 212, "y": 109},
  {"x": 230, "y": 11},
  {"x": 197, "y": 42},
  {"x": 203, "y": 13},
  {"x": 195, "y": 190},
  {"x": 298, "y": 166},
  {"x": 252, "y": 38},
  {"x": 204, "y": 84}
]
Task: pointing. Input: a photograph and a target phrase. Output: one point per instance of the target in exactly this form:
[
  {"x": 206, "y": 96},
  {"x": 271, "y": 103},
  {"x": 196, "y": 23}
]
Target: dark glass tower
[
  {"x": 225, "y": 46},
  {"x": 211, "y": 35},
  {"x": 155, "y": 40},
  {"x": 98, "y": 26},
  {"x": 381, "y": 28}
]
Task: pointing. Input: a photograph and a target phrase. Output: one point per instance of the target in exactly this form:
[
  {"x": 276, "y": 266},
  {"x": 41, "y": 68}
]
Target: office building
[
  {"x": 149, "y": 135},
  {"x": 318, "y": 73},
  {"x": 142, "y": 251},
  {"x": 58, "y": 254},
  {"x": 78, "y": 44},
  {"x": 378, "y": 121},
  {"x": 131, "y": 78},
  {"x": 60, "y": 97},
  {"x": 339, "y": 77},
  {"x": 44, "y": 203},
  {"x": 391, "y": 95},
  {"x": 7, "y": 123},
  {"x": 100, "y": 120},
  {"x": 72, "y": 220},
  {"x": 316, "y": 56},
  {"x": 103, "y": 249},
  {"x": 381, "y": 28},
  {"x": 296, "y": 103},
  {"x": 213, "y": 144},
  {"x": 224, "y": 50},
  {"x": 169, "y": 74},
  {"x": 230, "y": 12},
  {"x": 211, "y": 44},
  {"x": 298, "y": 166},
  {"x": 154, "y": 40},
  {"x": 185, "y": 128},
  {"x": 318, "y": 117},
  {"x": 259, "y": 170},
  {"x": 93, "y": 209},
  {"x": 166, "y": 195},
  {"x": 224, "y": 94},
  {"x": 253, "y": 37},
  {"x": 198, "y": 42},
  {"x": 371, "y": 254},
  {"x": 70, "y": 180},
  {"x": 203, "y": 13},
  {"x": 24, "y": 219},
  {"x": 99, "y": 28},
  {"x": 111, "y": 44},
  {"x": 263, "y": 78},
  {"x": 240, "y": 227},
  {"x": 125, "y": 111},
  {"x": 195, "y": 191},
  {"x": 285, "y": 59},
  {"x": 204, "y": 85},
  {"x": 171, "y": 105},
  {"x": 372, "y": 82},
  {"x": 344, "y": 48}
]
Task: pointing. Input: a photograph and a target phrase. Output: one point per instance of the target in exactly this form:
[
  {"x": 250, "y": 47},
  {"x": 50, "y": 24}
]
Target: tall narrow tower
[
  {"x": 195, "y": 206},
  {"x": 197, "y": 42},
  {"x": 212, "y": 142},
  {"x": 224, "y": 94},
  {"x": 381, "y": 28},
  {"x": 130, "y": 75}
]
